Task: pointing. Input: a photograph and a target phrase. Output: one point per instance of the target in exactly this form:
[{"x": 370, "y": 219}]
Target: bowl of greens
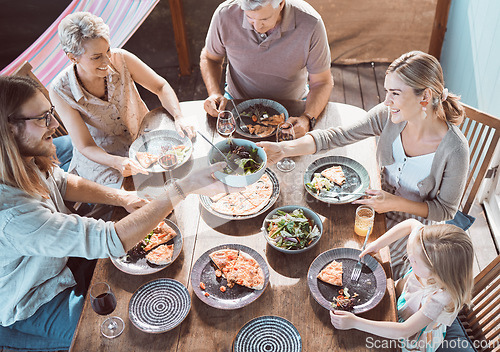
[
  {"x": 249, "y": 159},
  {"x": 292, "y": 229}
]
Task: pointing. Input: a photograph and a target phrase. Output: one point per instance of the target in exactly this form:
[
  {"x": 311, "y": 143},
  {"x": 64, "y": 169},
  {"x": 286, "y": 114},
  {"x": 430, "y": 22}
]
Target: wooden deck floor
[{"x": 359, "y": 85}]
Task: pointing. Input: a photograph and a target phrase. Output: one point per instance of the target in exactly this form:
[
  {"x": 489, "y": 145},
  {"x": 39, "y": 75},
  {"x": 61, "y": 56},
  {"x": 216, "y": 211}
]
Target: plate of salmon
[
  {"x": 329, "y": 280},
  {"x": 229, "y": 276},
  {"x": 261, "y": 117},
  {"x": 336, "y": 179},
  {"x": 155, "y": 252}
]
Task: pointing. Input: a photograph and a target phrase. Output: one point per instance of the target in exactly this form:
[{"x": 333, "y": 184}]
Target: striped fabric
[{"x": 46, "y": 55}]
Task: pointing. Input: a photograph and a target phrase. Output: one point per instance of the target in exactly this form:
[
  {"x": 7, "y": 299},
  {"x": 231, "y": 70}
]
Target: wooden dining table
[{"x": 210, "y": 329}]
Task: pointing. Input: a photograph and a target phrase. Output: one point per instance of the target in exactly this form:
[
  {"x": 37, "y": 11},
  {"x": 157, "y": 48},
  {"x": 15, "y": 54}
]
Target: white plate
[{"x": 152, "y": 142}]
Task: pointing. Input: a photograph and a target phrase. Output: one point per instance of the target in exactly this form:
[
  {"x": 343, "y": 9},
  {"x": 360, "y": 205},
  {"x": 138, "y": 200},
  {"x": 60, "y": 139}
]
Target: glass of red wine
[
  {"x": 103, "y": 302},
  {"x": 226, "y": 124}
]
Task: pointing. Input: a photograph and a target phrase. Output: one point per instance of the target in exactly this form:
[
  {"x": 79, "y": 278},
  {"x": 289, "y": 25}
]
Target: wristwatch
[{"x": 312, "y": 120}]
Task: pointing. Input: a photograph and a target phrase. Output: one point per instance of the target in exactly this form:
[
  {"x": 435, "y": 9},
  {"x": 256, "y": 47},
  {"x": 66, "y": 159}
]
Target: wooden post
[
  {"x": 439, "y": 27},
  {"x": 180, "y": 37}
]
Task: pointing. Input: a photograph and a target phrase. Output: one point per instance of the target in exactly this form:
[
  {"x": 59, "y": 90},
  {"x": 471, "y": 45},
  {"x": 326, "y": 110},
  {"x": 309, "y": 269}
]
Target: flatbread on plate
[
  {"x": 146, "y": 159},
  {"x": 239, "y": 268},
  {"x": 249, "y": 201},
  {"x": 334, "y": 174},
  {"x": 332, "y": 273},
  {"x": 161, "y": 255}
]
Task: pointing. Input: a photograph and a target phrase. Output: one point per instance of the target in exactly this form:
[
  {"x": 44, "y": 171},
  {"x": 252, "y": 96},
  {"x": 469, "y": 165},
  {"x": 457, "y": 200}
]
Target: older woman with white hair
[{"x": 98, "y": 101}]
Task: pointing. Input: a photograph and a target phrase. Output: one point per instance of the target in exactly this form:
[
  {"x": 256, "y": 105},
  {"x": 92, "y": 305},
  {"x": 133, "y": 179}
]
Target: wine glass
[
  {"x": 226, "y": 124},
  {"x": 285, "y": 132},
  {"x": 103, "y": 302},
  {"x": 168, "y": 158}
]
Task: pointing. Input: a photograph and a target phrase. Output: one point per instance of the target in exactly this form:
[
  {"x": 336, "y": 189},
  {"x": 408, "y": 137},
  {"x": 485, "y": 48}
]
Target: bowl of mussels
[{"x": 247, "y": 162}]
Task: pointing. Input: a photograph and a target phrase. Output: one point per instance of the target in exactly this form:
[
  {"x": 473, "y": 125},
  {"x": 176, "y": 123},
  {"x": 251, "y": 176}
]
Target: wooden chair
[
  {"x": 482, "y": 131},
  {"x": 482, "y": 320},
  {"x": 25, "y": 70}
]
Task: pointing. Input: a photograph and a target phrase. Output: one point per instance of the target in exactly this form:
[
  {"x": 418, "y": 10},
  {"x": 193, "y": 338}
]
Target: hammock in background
[{"x": 46, "y": 55}]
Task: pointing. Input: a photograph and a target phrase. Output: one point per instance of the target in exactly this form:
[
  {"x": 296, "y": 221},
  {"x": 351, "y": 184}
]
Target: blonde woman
[
  {"x": 423, "y": 155},
  {"x": 98, "y": 101}
]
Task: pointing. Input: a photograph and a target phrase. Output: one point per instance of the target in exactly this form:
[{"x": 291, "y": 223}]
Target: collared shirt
[
  {"x": 113, "y": 124},
  {"x": 37, "y": 236},
  {"x": 273, "y": 66}
]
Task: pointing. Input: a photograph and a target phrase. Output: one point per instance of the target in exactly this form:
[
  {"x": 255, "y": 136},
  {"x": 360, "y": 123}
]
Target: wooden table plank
[{"x": 210, "y": 329}]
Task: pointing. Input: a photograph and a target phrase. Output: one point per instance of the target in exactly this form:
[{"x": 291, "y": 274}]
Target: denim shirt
[{"x": 37, "y": 236}]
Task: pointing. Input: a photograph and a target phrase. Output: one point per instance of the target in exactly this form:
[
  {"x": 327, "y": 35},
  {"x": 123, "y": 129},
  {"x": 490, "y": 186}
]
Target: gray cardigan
[{"x": 442, "y": 189}]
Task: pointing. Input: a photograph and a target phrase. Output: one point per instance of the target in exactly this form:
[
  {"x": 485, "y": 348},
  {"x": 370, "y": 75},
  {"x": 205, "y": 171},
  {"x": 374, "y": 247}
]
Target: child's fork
[{"x": 356, "y": 272}]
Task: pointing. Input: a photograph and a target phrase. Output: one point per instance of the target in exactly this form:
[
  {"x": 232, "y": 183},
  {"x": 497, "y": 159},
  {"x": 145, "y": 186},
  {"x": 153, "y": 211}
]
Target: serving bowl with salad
[
  {"x": 292, "y": 229},
  {"x": 250, "y": 158}
]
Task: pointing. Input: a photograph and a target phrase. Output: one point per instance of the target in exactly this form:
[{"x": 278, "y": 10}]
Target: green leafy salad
[
  {"x": 318, "y": 183},
  {"x": 292, "y": 230},
  {"x": 247, "y": 160}
]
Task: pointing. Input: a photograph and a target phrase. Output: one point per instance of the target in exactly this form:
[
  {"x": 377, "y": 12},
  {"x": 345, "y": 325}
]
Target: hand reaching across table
[{"x": 214, "y": 104}]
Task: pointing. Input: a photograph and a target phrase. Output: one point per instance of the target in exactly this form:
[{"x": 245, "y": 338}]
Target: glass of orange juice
[{"x": 364, "y": 219}]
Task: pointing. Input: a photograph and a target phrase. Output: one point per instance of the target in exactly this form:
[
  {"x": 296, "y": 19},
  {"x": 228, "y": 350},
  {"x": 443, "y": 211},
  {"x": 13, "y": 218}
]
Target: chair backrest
[
  {"x": 482, "y": 131},
  {"x": 25, "y": 71},
  {"x": 482, "y": 320},
  {"x": 46, "y": 55}
]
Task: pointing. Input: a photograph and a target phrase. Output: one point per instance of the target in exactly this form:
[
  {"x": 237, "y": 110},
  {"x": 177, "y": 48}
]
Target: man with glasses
[
  {"x": 41, "y": 287},
  {"x": 275, "y": 49},
  {"x": 64, "y": 147}
]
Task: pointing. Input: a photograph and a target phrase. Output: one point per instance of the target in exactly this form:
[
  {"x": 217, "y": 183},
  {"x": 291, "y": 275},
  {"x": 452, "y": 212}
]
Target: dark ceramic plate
[
  {"x": 207, "y": 201},
  {"x": 153, "y": 141},
  {"x": 268, "y": 333},
  {"x": 272, "y": 106},
  {"x": 142, "y": 267},
  {"x": 370, "y": 287},
  {"x": 357, "y": 179},
  {"x": 159, "y": 305},
  {"x": 233, "y": 298}
]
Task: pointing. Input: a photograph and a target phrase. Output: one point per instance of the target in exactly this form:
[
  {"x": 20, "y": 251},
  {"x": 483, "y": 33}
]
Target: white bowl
[
  {"x": 237, "y": 180},
  {"x": 308, "y": 213}
]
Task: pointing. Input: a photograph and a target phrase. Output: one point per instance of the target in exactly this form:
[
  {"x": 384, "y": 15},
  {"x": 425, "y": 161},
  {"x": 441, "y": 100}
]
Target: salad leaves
[{"x": 292, "y": 230}]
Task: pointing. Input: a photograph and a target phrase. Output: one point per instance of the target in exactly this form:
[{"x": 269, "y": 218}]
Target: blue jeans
[
  {"x": 456, "y": 340},
  {"x": 52, "y": 326},
  {"x": 64, "y": 151}
]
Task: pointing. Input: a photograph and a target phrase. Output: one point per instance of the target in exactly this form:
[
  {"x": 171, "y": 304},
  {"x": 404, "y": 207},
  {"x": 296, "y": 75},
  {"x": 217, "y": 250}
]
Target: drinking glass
[
  {"x": 103, "y": 302},
  {"x": 226, "y": 124},
  {"x": 365, "y": 216},
  {"x": 285, "y": 132},
  {"x": 168, "y": 158}
]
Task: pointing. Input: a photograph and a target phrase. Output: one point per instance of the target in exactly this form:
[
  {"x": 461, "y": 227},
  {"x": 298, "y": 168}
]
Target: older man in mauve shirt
[{"x": 275, "y": 49}]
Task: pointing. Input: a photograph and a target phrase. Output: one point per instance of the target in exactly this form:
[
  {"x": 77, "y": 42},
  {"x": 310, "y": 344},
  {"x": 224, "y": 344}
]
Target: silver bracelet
[{"x": 179, "y": 190}]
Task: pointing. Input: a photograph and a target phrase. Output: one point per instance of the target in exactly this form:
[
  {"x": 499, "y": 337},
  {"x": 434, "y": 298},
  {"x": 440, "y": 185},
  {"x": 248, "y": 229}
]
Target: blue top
[{"x": 37, "y": 236}]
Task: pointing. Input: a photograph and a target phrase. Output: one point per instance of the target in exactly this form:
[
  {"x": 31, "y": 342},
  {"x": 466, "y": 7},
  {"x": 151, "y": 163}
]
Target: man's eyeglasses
[{"x": 42, "y": 121}]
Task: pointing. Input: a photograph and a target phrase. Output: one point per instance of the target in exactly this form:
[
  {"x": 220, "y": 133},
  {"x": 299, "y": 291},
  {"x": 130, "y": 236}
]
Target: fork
[
  {"x": 356, "y": 272},
  {"x": 243, "y": 126}
]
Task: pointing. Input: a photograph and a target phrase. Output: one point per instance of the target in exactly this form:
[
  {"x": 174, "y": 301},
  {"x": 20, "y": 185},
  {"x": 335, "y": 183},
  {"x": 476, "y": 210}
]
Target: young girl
[{"x": 437, "y": 286}]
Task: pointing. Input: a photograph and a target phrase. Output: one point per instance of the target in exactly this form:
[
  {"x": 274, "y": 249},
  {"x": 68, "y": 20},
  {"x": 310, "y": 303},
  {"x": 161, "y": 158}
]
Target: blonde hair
[
  {"x": 77, "y": 27},
  {"x": 15, "y": 171},
  {"x": 420, "y": 70},
  {"x": 449, "y": 254}
]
